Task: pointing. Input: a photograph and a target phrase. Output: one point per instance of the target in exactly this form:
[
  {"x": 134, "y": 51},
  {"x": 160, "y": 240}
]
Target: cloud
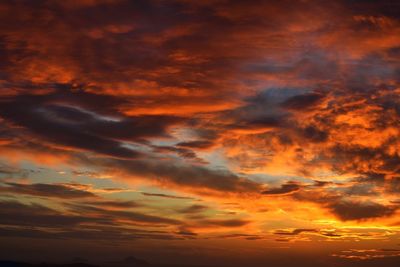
[
  {"x": 73, "y": 126},
  {"x": 216, "y": 99},
  {"x": 182, "y": 152},
  {"x": 187, "y": 233},
  {"x": 222, "y": 223},
  {"x": 164, "y": 195},
  {"x": 35, "y": 215},
  {"x": 244, "y": 236},
  {"x": 8, "y": 170},
  {"x": 352, "y": 210},
  {"x": 82, "y": 222},
  {"x": 287, "y": 188},
  {"x": 314, "y": 134},
  {"x": 46, "y": 190},
  {"x": 370, "y": 257},
  {"x": 198, "y": 144},
  {"x": 301, "y": 102},
  {"x": 131, "y": 216},
  {"x": 15, "y": 213},
  {"x": 183, "y": 175},
  {"x": 346, "y": 201},
  {"x": 114, "y": 204},
  {"x": 295, "y": 231},
  {"x": 89, "y": 234},
  {"x": 193, "y": 209}
]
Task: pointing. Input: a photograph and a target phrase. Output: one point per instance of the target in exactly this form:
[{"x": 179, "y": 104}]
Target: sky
[{"x": 213, "y": 132}]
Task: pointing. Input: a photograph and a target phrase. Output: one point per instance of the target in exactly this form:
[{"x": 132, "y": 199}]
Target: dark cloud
[
  {"x": 348, "y": 158},
  {"x": 182, "y": 152},
  {"x": 361, "y": 189},
  {"x": 283, "y": 189},
  {"x": 38, "y": 122},
  {"x": 187, "y": 233},
  {"x": 122, "y": 215},
  {"x": 199, "y": 144},
  {"x": 15, "y": 213},
  {"x": 244, "y": 236},
  {"x": 85, "y": 217},
  {"x": 183, "y": 175},
  {"x": 302, "y": 102},
  {"x": 295, "y": 231},
  {"x": 223, "y": 223},
  {"x": 265, "y": 121},
  {"x": 114, "y": 204},
  {"x": 46, "y": 190},
  {"x": 314, "y": 134},
  {"x": 393, "y": 185},
  {"x": 352, "y": 210},
  {"x": 83, "y": 129},
  {"x": 341, "y": 200},
  {"x": 261, "y": 123},
  {"x": 319, "y": 183},
  {"x": 164, "y": 195},
  {"x": 88, "y": 234}
]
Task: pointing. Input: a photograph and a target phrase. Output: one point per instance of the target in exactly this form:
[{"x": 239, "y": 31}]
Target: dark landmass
[
  {"x": 134, "y": 262},
  {"x": 129, "y": 262},
  {"x": 24, "y": 264}
]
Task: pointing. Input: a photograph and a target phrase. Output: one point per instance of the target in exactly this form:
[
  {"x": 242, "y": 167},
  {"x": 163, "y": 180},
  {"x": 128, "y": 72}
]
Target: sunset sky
[{"x": 210, "y": 132}]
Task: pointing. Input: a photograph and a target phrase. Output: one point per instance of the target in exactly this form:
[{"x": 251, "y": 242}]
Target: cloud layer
[{"x": 185, "y": 120}]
